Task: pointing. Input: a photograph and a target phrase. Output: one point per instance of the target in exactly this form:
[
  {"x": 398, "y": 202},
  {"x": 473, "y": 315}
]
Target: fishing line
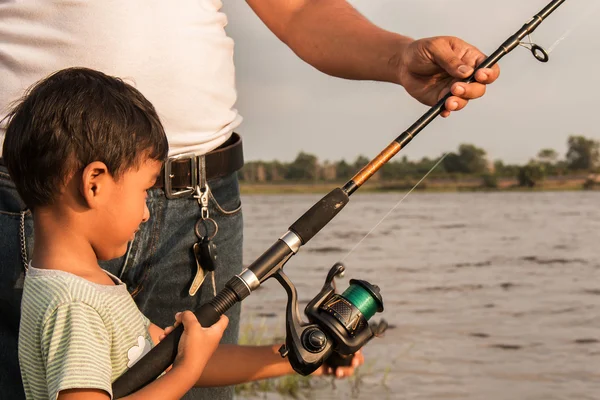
[
  {"x": 397, "y": 204},
  {"x": 593, "y": 9}
]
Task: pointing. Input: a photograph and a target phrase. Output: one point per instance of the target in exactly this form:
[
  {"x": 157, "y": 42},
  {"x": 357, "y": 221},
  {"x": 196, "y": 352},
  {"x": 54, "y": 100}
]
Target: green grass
[{"x": 291, "y": 386}]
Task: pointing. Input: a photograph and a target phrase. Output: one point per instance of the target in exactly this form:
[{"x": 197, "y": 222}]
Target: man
[{"x": 180, "y": 57}]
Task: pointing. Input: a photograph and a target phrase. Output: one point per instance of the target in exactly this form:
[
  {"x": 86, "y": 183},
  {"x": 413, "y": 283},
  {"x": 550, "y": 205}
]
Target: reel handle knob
[
  {"x": 339, "y": 360},
  {"x": 283, "y": 350}
]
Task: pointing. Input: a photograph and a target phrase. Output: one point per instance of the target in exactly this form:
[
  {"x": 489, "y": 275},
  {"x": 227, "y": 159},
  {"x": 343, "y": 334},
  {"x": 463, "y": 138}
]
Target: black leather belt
[{"x": 180, "y": 174}]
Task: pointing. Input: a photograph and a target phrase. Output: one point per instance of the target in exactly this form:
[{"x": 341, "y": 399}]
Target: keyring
[{"x": 206, "y": 236}]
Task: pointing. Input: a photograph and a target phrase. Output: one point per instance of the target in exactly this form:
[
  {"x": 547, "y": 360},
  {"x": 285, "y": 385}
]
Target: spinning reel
[{"x": 338, "y": 323}]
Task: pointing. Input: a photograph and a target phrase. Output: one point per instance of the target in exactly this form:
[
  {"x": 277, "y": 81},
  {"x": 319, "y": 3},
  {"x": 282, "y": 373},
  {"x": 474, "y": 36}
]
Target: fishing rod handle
[
  {"x": 149, "y": 367},
  {"x": 319, "y": 215}
]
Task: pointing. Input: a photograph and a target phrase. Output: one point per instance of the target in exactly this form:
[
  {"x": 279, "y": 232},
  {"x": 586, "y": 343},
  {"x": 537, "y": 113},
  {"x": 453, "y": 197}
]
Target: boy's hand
[
  {"x": 341, "y": 372},
  {"x": 197, "y": 344}
]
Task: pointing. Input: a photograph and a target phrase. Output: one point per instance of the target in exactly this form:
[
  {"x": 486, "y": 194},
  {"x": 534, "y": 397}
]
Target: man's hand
[{"x": 431, "y": 67}]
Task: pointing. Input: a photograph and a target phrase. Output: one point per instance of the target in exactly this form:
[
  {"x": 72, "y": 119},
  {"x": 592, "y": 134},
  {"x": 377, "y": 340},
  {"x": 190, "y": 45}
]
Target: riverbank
[{"x": 554, "y": 183}]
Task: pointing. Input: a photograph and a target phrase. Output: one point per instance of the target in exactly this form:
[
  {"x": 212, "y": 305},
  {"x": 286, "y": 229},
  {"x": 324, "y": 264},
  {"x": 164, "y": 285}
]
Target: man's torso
[{"x": 176, "y": 53}]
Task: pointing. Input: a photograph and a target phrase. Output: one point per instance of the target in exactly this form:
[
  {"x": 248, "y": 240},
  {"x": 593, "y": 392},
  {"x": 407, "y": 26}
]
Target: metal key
[
  {"x": 200, "y": 273},
  {"x": 205, "y": 253}
]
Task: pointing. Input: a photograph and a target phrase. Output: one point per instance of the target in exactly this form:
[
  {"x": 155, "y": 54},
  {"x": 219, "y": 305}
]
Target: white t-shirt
[{"x": 175, "y": 52}]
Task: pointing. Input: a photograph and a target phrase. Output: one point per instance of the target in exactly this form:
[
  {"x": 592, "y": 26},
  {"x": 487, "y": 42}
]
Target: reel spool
[{"x": 346, "y": 316}]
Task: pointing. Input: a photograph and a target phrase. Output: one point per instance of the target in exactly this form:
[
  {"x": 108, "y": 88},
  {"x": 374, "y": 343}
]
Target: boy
[{"x": 83, "y": 148}]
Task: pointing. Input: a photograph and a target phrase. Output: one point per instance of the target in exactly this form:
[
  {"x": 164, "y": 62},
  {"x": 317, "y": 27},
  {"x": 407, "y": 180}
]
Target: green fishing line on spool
[{"x": 361, "y": 299}]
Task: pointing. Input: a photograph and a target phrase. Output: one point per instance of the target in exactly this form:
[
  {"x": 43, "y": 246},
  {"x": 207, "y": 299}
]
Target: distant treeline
[{"x": 583, "y": 156}]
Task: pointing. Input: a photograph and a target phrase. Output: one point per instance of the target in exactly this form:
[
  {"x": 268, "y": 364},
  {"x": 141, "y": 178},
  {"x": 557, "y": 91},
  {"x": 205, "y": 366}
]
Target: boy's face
[{"x": 125, "y": 210}]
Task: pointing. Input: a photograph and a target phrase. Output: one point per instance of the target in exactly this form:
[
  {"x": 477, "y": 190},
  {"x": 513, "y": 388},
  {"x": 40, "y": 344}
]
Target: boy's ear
[{"x": 95, "y": 182}]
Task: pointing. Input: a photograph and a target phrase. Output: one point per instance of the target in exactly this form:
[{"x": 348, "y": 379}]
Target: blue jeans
[{"x": 158, "y": 267}]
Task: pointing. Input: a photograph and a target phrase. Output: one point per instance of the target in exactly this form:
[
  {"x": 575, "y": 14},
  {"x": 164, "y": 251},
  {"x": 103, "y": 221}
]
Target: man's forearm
[
  {"x": 233, "y": 364},
  {"x": 335, "y": 38}
]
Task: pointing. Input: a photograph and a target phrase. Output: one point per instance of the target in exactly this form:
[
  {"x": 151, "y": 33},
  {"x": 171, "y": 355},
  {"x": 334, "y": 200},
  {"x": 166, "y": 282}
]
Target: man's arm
[{"x": 336, "y": 39}]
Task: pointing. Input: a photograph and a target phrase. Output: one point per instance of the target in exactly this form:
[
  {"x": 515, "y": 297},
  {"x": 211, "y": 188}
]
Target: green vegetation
[
  {"x": 468, "y": 160},
  {"x": 466, "y": 169},
  {"x": 292, "y": 386}
]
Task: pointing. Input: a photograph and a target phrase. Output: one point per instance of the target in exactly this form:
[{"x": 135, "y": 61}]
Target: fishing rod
[{"x": 338, "y": 324}]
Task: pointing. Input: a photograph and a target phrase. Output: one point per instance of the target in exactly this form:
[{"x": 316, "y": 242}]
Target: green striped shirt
[{"x": 77, "y": 334}]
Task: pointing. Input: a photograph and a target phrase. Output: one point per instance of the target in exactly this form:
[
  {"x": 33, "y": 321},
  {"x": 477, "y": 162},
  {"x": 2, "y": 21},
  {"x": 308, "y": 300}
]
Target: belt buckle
[{"x": 193, "y": 176}]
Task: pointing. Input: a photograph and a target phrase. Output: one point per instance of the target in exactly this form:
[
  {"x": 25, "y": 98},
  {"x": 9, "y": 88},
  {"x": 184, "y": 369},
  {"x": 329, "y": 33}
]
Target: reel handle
[
  {"x": 345, "y": 360},
  {"x": 339, "y": 360}
]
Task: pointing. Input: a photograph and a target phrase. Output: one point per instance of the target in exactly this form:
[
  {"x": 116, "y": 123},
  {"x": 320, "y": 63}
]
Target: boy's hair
[{"x": 72, "y": 118}]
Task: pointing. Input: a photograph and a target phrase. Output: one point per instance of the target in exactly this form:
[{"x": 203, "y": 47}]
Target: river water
[{"x": 488, "y": 295}]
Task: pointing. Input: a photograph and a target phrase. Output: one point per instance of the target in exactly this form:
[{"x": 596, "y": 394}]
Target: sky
[{"x": 288, "y": 106}]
